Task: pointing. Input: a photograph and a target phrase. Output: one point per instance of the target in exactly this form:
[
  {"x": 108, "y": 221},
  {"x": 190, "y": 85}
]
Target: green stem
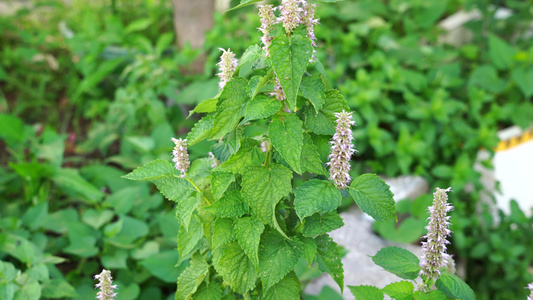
[
  {"x": 247, "y": 296},
  {"x": 297, "y": 230},
  {"x": 198, "y": 189}
]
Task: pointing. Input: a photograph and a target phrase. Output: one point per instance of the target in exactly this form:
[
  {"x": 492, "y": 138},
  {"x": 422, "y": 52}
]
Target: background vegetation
[{"x": 89, "y": 92}]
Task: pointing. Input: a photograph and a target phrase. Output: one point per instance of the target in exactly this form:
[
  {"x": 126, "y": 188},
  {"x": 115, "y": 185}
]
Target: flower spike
[
  {"x": 228, "y": 64},
  {"x": 106, "y": 286},
  {"x": 180, "y": 156},
  {"x": 268, "y": 19},
  {"x": 434, "y": 254},
  {"x": 341, "y": 150}
]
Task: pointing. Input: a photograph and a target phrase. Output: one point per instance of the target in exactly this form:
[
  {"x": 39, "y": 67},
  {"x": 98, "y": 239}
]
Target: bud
[
  {"x": 290, "y": 15},
  {"x": 434, "y": 248},
  {"x": 228, "y": 63},
  {"x": 278, "y": 91},
  {"x": 266, "y": 13},
  {"x": 264, "y": 146},
  {"x": 107, "y": 289},
  {"x": 180, "y": 155},
  {"x": 341, "y": 150}
]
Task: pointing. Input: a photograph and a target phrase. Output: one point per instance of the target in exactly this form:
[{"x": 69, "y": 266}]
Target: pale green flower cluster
[{"x": 341, "y": 150}]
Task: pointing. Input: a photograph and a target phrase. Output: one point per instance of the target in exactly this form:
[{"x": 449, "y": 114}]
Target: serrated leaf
[
  {"x": 321, "y": 223},
  {"x": 231, "y": 205},
  {"x": 328, "y": 259},
  {"x": 309, "y": 248},
  {"x": 223, "y": 232},
  {"x": 201, "y": 130},
  {"x": 290, "y": 59},
  {"x": 251, "y": 54},
  {"x": 314, "y": 89},
  {"x": 454, "y": 287},
  {"x": 153, "y": 170},
  {"x": 237, "y": 270},
  {"x": 316, "y": 196},
  {"x": 399, "y": 290},
  {"x": 277, "y": 257},
  {"x": 206, "y": 106},
  {"x": 188, "y": 239},
  {"x": 286, "y": 135},
  {"x": 174, "y": 188},
  {"x": 398, "y": 261},
  {"x": 57, "y": 288},
  {"x": 220, "y": 182},
  {"x": 373, "y": 196},
  {"x": 366, "y": 292},
  {"x": 287, "y": 289},
  {"x": 433, "y": 295},
  {"x": 323, "y": 120},
  {"x": 185, "y": 209},
  {"x": 310, "y": 159},
  {"x": 261, "y": 107},
  {"x": 263, "y": 187},
  {"x": 249, "y": 154},
  {"x": 192, "y": 277},
  {"x": 248, "y": 231},
  {"x": 213, "y": 291},
  {"x": 230, "y": 103}
]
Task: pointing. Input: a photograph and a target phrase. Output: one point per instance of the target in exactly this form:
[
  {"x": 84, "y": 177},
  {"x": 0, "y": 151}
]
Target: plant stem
[
  {"x": 268, "y": 155},
  {"x": 198, "y": 189}
]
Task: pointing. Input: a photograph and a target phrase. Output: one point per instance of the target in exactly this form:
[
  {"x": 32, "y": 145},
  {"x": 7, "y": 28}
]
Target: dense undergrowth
[{"x": 89, "y": 93}]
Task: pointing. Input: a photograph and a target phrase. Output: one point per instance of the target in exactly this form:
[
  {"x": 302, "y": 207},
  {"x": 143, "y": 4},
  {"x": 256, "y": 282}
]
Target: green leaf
[
  {"x": 309, "y": 248},
  {"x": 188, "y": 239},
  {"x": 523, "y": 79},
  {"x": 310, "y": 159},
  {"x": 373, "y": 196},
  {"x": 96, "y": 218},
  {"x": 243, "y": 4},
  {"x": 500, "y": 53},
  {"x": 72, "y": 183},
  {"x": 31, "y": 290},
  {"x": 248, "y": 231},
  {"x": 220, "y": 182},
  {"x": 366, "y": 292},
  {"x": 251, "y": 54},
  {"x": 174, "y": 188},
  {"x": 263, "y": 187},
  {"x": 230, "y": 103},
  {"x": 261, "y": 107},
  {"x": 232, "y": 263},
  {"x": 201, "y": 130},
  {"x": 163, "y": 42},
  {"x": 323, "y": 120},
  {"x": 223, "y": 232},
  {"x": 185, "y": 209},
  {"x": 213, "y": 291},
  {"x": 206, "y": 106},
  {"x": 138, "y": 25},
  {"x": 58, "y": 288},
  {"x": 156, "y": 169},
  {"x": 277, "y": 257},
  {"x": 248, "y": 154},
  {"x": 398, "y": 261},
  {"x": 231, "y": 205},
  {"x": 321, "y": 223},
  {"x": 316, "y": 196},
  {"x": 148, "y": 249},
  {"x": 329, "y": 260},
  {"x": 290, "y": 60},
  {"x": 286, "y": 135},
  {"x": 454, "y": 287},
  {"x": 192, "y": 277},
  {"x": 399, "y": 290},
  {"x": 162, "y": 265},
  {"x": 314, "y": 89},
  {"x": 433, "y": 295},
  {"x": 287, "y": 289}
]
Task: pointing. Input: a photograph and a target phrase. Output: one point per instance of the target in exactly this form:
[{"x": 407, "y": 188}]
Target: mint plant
[
  {"x": 265, "y": 198},
  {"x": 434, "y": 272}
]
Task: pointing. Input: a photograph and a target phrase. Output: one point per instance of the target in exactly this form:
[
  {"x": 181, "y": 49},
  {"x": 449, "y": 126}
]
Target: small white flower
[
  {"x": 180, "y": 156},
  {"x": 290, "y": 15},
  {"x": 106, "y": 286},
  {"x": 215, "y": 161},
  {"x": 530, "y": 287},
  {"x": 266, "y": 13},
  {"x": 341, "y": 150},
  {"x": 228, "y": 64}
]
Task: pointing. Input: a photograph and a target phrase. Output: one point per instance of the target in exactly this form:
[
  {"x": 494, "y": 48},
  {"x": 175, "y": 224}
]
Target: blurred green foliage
[{"x": 90, "y": 91}]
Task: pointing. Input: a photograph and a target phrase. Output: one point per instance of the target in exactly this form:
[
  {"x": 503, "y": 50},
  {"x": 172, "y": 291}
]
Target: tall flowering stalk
[
  {"x": 434, "y": 248},
  {"x": 341, "y": 150},
  {"x": 278, "y": 91},
  {"x": 290, "y": 15},
  {"x": 268, "y": 19},
  {"x": 227, "y": 65},
  {"x": 106, "y": 286},
  {"x": 180, "y": 155}
]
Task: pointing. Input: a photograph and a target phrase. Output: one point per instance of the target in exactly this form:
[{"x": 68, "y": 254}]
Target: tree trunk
[{"x": 192, "y": 18}]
